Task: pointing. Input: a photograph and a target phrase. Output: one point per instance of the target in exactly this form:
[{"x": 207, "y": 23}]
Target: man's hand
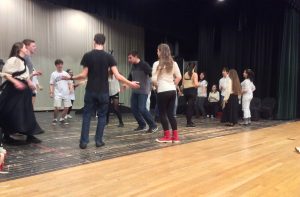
[
  {"x": 135, "y": 85},
  {"x": 66, "y": 77},
  {"x": 31, "y": 85}
]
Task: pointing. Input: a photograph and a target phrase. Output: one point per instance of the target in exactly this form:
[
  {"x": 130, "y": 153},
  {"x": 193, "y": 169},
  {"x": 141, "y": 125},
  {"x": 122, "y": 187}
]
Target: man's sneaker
[
  {"x": 152, "y": 130},
  {"x": 33, "y": 140},
  {"x": 54, "y": 121},
  {"x": 121, "y": 124},
  {"x": 82, "y": 146},
  {"x": 63, "y": 121},
  {"x": 68, "y": 116},
  {"x": 140, "y": 128},
  {"x": 297, "y": 149},
  {"x": 100, "y": 144},
  {"x": 166, "y": 139},
  {"x": 190, "y": 125}
]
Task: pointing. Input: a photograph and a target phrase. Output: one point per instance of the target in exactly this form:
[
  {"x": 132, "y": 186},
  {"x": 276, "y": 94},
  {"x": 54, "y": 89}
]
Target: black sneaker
[
  {"x": 33, "y": 140},
  {"x": 190, "y": 125},
  {"x": 152, "y": 130},
  {"x": 121, "y": 124},
  {"x": 82, "y": 146},
  {"x": 140, "y": 128},
  {"x": 100, "y": 144},
  {"x": 11, "y": 141}
]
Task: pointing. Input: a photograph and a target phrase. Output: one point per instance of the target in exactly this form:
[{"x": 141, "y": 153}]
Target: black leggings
[
  {"x": 114, "y": 103},
  {"x": 166, "y": 105},
  {"x": 190, "y": 99}
]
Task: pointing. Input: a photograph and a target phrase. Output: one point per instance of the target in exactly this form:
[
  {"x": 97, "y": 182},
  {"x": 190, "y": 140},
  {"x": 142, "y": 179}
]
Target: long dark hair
[
  {"x": 16, "y": 48},
  {"x": 250, "y": 74},
  {"x": 190, "y": 69}
]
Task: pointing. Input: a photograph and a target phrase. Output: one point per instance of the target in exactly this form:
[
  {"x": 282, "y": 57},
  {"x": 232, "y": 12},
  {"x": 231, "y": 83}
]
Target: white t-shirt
[
  {"x": 61, "y": 87},
  {"x": 165, "y": 80},
  {"x": 114, "y": 86},
  {"x": 223, "y": 84},
  {"x": 72, "y": 94},
  {"x": 248, "y": 88},
  {"x": 202, "y": 89}
]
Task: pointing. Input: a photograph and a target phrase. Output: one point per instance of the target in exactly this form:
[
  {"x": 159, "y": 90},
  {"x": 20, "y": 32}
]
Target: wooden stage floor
[{"x": 252, "y": 162}]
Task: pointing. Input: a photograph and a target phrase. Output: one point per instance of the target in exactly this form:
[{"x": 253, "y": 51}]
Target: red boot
[
  {"x": 175, "y": 137},
  {"x": 166, "y": 138}
]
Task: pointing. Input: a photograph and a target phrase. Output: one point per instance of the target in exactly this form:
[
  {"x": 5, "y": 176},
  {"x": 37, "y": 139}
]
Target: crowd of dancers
[{"x": 103, "y": 85}]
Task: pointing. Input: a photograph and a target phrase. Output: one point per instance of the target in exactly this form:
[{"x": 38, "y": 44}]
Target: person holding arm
[
  {"x": 247, "y": 95},
  {"x": 166, "y": 76},
  {"x": 202, "y": 95},
  {"x": 190, "y": 84},
  {"x": 95, "y": 66},
  {"x": 16, "y": 109},
  {"x": 231, "y": 99}
]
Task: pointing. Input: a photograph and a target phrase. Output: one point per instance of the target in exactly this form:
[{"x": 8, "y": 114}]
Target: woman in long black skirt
[
  {"x": 231, "y": 101},
  {"x": 16, "y": 109}
]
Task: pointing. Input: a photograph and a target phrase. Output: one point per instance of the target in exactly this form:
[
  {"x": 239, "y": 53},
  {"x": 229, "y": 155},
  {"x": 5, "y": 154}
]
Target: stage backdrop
[{"x": 67, "y": 34}]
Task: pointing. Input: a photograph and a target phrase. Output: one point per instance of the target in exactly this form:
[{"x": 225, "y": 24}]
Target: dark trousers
[
  {"x": 166, "y": 103},
  {"x": 114, "y": 105},
  {"x": 213, "y": 108},
  {"x": 94, "y": 101},
  {"x": 200, "y": 101},
  {"x": 190, "y": 99},
  {"x": 139, "y": 110}
]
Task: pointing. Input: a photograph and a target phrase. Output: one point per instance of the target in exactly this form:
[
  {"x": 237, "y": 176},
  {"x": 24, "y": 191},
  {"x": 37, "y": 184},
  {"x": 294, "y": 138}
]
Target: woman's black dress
[
  {"x": 231, "y": 110},
  {"x": 16, "y": 109}
]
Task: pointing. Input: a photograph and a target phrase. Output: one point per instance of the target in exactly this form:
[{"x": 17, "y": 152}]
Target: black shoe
[
  {"x": 190, "y": 125},
  {"x": 140, "y": 128},
  {"x": 99, "y": 144},
  {"x": 33, "y": 140},
  {"x": 11, "y": 141},
  {"x": 121, "y": 124},
  {"x": 82, "y": 146},
  {"x": 152, "y": 130}
]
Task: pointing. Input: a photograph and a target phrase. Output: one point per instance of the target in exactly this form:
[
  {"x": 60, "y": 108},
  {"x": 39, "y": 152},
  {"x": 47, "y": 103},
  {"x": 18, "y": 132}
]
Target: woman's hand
[{"x": 19, "y": 85}]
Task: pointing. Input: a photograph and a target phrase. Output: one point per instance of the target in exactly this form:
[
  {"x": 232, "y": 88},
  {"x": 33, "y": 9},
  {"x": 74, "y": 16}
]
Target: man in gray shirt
[{"x": 141, "y": 72}]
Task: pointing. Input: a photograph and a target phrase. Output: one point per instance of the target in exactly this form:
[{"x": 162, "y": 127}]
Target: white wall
[{"x": 63, "y": 33}]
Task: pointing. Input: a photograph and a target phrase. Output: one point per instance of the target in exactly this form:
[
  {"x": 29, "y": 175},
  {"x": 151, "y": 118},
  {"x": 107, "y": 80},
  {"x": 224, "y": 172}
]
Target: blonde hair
[{"x": 165, "y": 58}]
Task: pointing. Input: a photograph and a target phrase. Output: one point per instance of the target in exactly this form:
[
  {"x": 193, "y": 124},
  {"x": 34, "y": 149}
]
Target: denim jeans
[
  {"x": 94, "y": 101},
  {"x": 139, "y": 110}
]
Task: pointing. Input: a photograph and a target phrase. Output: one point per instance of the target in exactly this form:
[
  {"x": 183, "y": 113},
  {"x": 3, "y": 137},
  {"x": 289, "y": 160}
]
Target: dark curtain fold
[
  {"x": 288, "y": 68},
  {"x": 254, "y": 44}
]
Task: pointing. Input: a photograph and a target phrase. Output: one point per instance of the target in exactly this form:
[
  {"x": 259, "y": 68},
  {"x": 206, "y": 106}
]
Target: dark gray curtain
[{"x": 289, "y": 65}]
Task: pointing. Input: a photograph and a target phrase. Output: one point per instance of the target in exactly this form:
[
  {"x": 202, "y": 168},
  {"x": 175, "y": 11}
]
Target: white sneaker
[
  {"x": 69, "y": 116},
  {"x": 297, "y": 149}
]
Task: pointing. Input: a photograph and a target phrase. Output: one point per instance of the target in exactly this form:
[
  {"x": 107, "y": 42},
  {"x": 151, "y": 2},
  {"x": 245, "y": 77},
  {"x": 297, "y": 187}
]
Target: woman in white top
[
  {"x": 114, "y": 89},
  {"x": 213, "y": 101},
  {"x": 16, "y": 109},
  {"x": 231, "y": 101},
  {"x": 166, "y": 76},
  {"x": 201, "y": 95},
  {"x": 247, "y": 94}
]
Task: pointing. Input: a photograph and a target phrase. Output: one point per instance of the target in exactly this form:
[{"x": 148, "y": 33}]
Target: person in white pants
[{"x": 247, "y": 94}]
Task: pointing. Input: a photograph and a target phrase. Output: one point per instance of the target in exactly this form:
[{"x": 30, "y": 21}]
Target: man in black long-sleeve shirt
[{"x": 141, "y": 72}]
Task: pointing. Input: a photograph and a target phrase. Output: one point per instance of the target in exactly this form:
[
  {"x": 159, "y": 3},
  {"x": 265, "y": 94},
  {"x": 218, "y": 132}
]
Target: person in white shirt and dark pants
[
  {"x": 166, "y": 76},
  {"x": 201, "y": 95}
]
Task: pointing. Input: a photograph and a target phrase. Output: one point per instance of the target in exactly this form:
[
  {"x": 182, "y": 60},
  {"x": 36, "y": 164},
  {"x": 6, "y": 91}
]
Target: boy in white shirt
[
  {"x": 223, "y": 82},
  {"x": 60, "y": 90}
]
